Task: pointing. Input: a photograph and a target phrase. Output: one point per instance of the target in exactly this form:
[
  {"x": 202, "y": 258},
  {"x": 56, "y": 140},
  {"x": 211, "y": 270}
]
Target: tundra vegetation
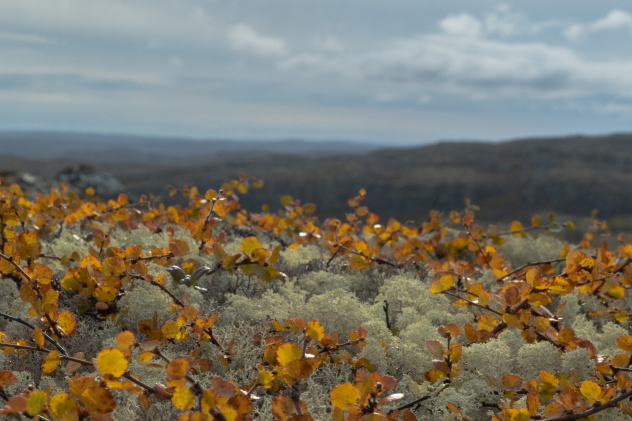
[{"x": 210, "y": 311}]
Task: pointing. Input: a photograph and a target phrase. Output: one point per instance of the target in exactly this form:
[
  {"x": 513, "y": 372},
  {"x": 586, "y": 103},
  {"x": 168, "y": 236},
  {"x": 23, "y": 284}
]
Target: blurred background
[{"x": 523, "y": 107}]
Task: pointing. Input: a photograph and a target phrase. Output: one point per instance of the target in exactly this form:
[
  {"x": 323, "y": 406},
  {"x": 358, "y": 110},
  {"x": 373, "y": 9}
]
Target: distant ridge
[
  {"x": 104, "y": 148},
  {"x": 509, "y": 180}
]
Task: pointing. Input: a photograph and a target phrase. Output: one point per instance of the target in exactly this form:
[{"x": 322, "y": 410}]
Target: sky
[{"x": 387, "y": 71}]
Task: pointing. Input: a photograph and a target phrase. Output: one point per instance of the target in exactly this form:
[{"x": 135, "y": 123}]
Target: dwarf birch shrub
[{"x": 211, "y": 312}]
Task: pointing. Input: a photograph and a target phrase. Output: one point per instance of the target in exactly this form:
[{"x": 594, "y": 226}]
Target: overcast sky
[{"x": 390, "y": 71}]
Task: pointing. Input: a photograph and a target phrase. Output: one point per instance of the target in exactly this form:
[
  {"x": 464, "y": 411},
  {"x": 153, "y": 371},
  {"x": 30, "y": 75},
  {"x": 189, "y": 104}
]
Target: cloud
[
  {"x": 461, "y": 25},
  {"x": 462, "y": 62},
  {"x": 243, "y": 37},
  {"x": 329, "y": 43},
  {"x": 25, "y": 38},
  {"x": 616, "y": 19}
]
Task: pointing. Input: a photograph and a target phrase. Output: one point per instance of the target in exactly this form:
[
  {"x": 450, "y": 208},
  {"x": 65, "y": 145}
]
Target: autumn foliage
[{"x": 451, "y": 250}]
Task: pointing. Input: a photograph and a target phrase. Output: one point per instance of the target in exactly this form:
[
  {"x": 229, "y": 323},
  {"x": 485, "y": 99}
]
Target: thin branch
[
  {"x": 543, "y": 262},
  {"x": 162, "y": 287},
  {"x": 385, "y": 308},
  {"x": 30, "y": 280},
  {"x": 333, "y": 256},
  {"x": 610, "y": 404},
  {"x": 27, "y": 324}
]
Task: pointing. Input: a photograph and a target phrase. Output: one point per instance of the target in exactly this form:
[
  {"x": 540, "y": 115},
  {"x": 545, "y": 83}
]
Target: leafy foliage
[{"x": 450, "y": 255}]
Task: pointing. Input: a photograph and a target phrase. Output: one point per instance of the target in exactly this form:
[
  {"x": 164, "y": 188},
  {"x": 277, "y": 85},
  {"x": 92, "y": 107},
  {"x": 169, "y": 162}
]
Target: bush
[{"x": 140, "y": 311}]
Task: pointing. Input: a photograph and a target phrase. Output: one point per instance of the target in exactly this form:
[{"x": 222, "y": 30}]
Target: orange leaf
[
  {"x": 436, "y": 348},
  {"x": 345, "y": 395},
  {"x": 283, "y": 407},
  {"x": 533, "y": 403},
  {"x": 357, "y": 262},
  {"x": 42, "y": 274},
  {"x": 98, "y": 399},
  {"x": 125, "y": 340},
  {"x": 177, "y": 368},
  {"x": 7, "y": 378},
  {"x": 453, "y": 408}
]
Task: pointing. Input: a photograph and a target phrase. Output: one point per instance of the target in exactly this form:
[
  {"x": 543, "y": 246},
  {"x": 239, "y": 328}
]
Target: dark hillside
[{"x": 510, "y": 180}]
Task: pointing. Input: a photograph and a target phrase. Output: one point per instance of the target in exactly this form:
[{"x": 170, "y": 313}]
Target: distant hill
[
  {"x": 508, "y": 180},
  {"x": 106, "y": 148}
]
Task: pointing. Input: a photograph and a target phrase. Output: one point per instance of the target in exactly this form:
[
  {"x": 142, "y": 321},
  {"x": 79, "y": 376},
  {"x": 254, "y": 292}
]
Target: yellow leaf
[
  {"x": 515, "y": 414},
  {"x": 549, "y": 378},
  {"x": 170, "y": 329},
  {"x": 64, "y": 407},
  {"x": 628, "y": 250},
  {"x": 484, "y": 298},
  {"x": 590, "y": 390},
  {"x": 624, "y": 342},
  {"x": 265, "y": 378},
  {"x": 51, "y": 362},
  {"x": 112, "y": 361},
  {"x": 288, "y": 353},
  {"x": 39, "y": 337},
  {"x": 447, "y": 281},
  {"x": 512, "y": 321},
  {"x": 145, "y": 356},
  {"x": 540, "y": 298},
  {"x": 436, "y": 287},
  {"x": 616, "y": 292},
  {"x": 315, "y": 331},
  {"x": 67, "y": 322},
  {"x": 208, "y": 401},
  {"x": 487, "y": 322},
  {"x": 250, "y": 244},
  {"x": 517, "y": 229},
  {"x": 36, "y": 402},
  {"x": 182, "y": 398},
  {"x": 345, "y": 395}
]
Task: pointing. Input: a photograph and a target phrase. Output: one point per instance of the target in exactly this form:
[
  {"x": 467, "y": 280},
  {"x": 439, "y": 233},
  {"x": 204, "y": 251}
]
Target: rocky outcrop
[{"x": 76, "y": 177}]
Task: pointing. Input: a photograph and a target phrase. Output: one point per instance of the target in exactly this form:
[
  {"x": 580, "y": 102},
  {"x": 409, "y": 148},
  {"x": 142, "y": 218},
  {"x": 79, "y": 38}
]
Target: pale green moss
[
  {"x": 519, "y": 250},
  {"x": 536, "y": 357},
  {"x": 579, "y": 359},
  {"x": 302, "y": 255}
]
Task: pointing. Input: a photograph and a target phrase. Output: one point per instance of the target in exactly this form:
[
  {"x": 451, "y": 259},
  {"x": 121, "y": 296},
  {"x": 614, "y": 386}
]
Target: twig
[
  {"x": 599, "y": 408},
  {"x": 162, "y": 287},
  {"x": 27, "y": 324},
  {"x": 30, "y": 280},
  {"x": 543, "y": 262},
  {"x": 385, "y": 307}
]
